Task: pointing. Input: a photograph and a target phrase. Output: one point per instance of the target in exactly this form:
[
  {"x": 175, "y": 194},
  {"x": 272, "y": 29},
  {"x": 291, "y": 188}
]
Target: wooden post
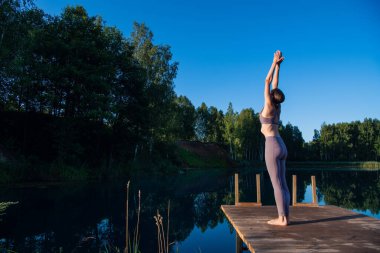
[
  {"x": 314, "y": 189},
  {"x": 258, "y": 191},
  {"x": 239, "y": 244},
  {"x": 236, "y": 189},
  {"x": 294, "y": 190}
]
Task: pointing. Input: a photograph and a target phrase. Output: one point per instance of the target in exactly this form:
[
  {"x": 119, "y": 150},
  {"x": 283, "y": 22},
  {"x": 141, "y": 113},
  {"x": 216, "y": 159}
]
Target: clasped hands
[{"x": 278, "y": 58}]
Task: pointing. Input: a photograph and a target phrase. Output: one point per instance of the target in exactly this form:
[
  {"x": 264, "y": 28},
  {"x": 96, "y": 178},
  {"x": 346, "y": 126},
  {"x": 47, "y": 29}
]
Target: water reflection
[{"x": 87, "y": 217}]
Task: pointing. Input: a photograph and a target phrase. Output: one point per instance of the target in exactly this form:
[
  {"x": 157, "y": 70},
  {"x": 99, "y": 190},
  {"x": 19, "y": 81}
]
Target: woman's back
[{"x": 270, "y": 119}]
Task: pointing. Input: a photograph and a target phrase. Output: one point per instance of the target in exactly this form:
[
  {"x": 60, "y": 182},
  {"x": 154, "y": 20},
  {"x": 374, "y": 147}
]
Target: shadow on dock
[
  {"x": 348, "y": 217},
  {"x": 313, "y": 228}
]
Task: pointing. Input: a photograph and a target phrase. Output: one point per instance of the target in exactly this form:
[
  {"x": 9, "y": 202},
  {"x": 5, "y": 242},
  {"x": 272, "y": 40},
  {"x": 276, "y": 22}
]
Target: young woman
[{"x": 275, "y": 149}]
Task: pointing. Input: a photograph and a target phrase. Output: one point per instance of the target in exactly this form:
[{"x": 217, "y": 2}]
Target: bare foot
[{"x": 281, "y": 221}]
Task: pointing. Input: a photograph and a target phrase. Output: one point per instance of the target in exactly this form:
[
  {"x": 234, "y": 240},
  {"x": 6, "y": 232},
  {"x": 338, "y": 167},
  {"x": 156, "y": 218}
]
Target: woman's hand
[{"x": 277, "y": 58}]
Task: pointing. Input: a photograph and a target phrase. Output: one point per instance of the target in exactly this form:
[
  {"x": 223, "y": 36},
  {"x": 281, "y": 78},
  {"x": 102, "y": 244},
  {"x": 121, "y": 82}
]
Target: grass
[
  {"x": 364, "y": 165},
  {"x": 70, "y": 173},
  {"x": 25, "y": 171},
  {"x": 162, "y": 239},
  {"x": 336, "y": 164},
  {"x": 132, "y": 247},
  {"x": 194, "y": 160}
]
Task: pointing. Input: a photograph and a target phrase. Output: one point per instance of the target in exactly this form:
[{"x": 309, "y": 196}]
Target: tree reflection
[
  {"x": 352, "y": 189},
  {"x": 90, "y": 217}
]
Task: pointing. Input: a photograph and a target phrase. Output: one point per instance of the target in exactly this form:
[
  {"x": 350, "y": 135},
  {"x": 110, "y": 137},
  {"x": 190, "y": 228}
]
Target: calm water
[{"x": 90, "y": 217}]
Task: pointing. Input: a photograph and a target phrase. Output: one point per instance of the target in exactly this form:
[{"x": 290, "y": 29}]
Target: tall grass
[
  {"x": 162, "y": 240},
  {"x": 134, "y": 246},
  {"x": 126, "y": 220}
]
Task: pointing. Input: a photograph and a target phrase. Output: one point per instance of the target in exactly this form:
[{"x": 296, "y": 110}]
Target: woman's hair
[{"x": 277, "y": 96}]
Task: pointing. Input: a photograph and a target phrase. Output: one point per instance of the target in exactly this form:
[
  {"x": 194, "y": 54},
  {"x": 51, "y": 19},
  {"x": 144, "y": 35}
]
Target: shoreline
[{"x": 371, "y": 165}]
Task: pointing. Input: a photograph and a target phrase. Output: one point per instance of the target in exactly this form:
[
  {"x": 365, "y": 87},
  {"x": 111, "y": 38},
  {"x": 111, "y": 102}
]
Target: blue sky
[{"x": 331, "y": 71}]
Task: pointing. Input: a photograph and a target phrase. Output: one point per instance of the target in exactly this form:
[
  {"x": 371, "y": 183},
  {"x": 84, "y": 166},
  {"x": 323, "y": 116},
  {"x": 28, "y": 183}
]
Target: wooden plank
[
  {"x": 314, "y": 189},
  {"x": 320, "y": 229},
  {"x": 314, "y": 193},
  {"x": 248, "y": 204},
  {"x": 237, "y": 200},
  {"x": 306, "y": 204},
  {"x": 258, "y": 188},
  {"x": 236, "y": 188},
  {"x": 294, "y": 189}
]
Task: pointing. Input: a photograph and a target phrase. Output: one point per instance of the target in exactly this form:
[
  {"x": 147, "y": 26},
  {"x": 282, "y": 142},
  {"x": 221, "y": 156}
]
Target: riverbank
[
  {"x": 336, "y": 164},
  {"x": 196, "y": 154},
  {"x": 68, "y": 212},
  {"x": 178, "y": 157},
  {"x": 365, "y": 165}
]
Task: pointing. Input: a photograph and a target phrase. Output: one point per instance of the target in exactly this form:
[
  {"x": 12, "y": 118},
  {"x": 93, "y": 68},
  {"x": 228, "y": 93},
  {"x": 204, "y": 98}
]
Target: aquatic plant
[
  {"x": 134, "y": 246},
  {"x": 163, "y": 241}
]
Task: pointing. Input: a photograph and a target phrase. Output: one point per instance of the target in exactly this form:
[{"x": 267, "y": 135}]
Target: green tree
[
  {"x": 215, "y": 125},
  {"x": 248, "y": 134},
  {"x": 230, "y": 126},
  {"x": 160, "y": 72},
  {"x": 351, "y": 141},
  {"x": 367, "y": 139},
  {"x": 294, "y": 142},
  {"x": 16, "y": 19},
  {"x": 201, "y": 122},
  {"x": 183, "y": 120}
]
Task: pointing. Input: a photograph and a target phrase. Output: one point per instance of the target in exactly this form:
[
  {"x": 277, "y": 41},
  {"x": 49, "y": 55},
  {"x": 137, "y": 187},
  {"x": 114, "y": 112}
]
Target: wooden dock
[{"x": 313, "y": 228}]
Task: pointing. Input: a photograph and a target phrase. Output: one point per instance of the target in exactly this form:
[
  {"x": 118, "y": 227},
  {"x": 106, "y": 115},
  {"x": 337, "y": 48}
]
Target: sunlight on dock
[{"x": 313, "y": 228}]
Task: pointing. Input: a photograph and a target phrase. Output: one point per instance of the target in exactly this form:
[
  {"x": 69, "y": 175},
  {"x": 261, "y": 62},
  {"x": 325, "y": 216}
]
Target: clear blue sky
[{"x": 331, "y": 71}]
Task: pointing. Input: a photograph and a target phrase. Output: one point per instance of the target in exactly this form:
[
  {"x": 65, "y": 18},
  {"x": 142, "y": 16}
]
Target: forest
[{"x": 79, "y": 99}]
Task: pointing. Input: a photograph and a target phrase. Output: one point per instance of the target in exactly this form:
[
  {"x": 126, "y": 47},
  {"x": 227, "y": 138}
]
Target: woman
[{"x": 275, "y": 149}]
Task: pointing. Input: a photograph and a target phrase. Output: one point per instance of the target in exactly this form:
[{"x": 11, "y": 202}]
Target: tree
[
  {"x": 215, "y": 125},
  {"x": 294, "y": 141},
  {"x": 201, "y": 123},
  {"x": 15, "y": 22},
  {"x": 248, "y": 133},
  {"x": 229, "y": 133},
  {"x": 353, "y": 141},
  {"x": 183, "y": 120},
  {"x": 160, "y": 73}
]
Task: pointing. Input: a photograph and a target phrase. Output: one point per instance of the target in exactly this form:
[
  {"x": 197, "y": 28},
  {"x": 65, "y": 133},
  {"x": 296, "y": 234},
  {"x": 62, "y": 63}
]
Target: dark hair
[{"x": 277, "y": 96}]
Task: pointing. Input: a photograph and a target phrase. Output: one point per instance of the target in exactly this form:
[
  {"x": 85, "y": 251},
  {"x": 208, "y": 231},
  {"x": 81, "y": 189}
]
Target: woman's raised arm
[
  {"x": 277, "y": 59},
  {"x": 277, "y": 70}
]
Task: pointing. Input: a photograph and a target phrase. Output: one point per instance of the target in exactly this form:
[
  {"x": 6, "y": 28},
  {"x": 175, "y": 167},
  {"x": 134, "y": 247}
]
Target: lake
[{"x": 90, "y": 217}]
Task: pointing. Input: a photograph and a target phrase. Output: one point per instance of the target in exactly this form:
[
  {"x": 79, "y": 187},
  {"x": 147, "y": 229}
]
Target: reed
[
  {"x": 167, "y": 228},
  {"x": 134, "y": 246},
  {"x": 126, "y": 220},
  {"x": 136, "y": 234},
  {"x": 162, "y": 240}
]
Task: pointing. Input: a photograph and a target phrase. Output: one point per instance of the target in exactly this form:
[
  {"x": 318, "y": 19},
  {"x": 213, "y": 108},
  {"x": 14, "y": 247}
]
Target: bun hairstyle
[{"x": 277, "y": 96}]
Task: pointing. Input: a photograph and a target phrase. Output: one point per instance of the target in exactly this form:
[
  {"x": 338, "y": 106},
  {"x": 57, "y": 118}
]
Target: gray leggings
[{"x": 275, "y": 157}]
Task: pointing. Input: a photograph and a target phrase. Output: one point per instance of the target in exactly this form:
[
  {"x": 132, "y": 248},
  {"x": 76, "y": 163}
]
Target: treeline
[
  {"x": 354, "y": 141},
  {"x": 71, "y": 76},
  {"x": 74, "y": 91},
  {"x": 196, "y": 201},
  {"x": 240, "y": 132}
]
